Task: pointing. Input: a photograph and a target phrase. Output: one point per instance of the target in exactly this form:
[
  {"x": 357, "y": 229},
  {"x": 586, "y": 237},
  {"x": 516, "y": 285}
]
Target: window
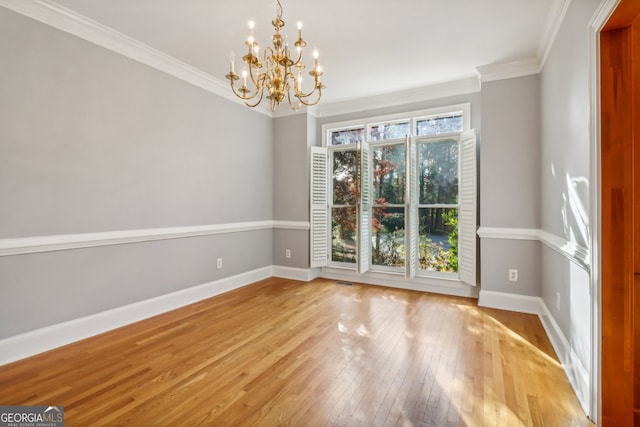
[
  {"x": 438, "y": 204},
  {"x": 392, "y": 130},
  {"x": 388, "y": 182},
  {"x": 439, "y": 124},
  {"x": 399, "y": 195},
  {"x": 343, "y": 206}
]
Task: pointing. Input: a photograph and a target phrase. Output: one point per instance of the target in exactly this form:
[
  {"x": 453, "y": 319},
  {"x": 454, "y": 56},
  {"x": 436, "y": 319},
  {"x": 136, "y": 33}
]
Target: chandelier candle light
[{"x": 278, "y": 74}]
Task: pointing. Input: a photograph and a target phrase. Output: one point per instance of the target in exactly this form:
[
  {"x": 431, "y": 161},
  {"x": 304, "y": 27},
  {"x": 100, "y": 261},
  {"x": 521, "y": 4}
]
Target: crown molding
[
  {"x": 534, "y": 65},
  {"x": 404, "y": 97},
  {"x": 602, "y": 15},
  {"x": 69, "y": 21},
  {"x": 508, "y": 70},
  {"x": 552, "y": 26}
]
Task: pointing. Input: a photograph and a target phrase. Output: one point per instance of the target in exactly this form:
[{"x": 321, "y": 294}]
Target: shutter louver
[
  {"x": 467, "y": 215},
  {"x": 319, "y": 207},
  {"x": 364, "y": 209}
]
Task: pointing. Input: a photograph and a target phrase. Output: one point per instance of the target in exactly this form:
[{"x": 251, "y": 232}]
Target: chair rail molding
[
  {"x": 574, "y": 252},
  {"x": 27, "y": 245}
]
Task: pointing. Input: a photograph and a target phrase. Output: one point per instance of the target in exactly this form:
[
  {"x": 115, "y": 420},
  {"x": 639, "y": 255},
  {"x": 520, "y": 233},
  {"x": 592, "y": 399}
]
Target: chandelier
[{"x": 277, "y": 73}]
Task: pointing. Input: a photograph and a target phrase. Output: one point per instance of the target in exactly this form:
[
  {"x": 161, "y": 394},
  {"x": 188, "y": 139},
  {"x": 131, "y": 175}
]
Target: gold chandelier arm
[
  {"x": 290, "y": 78},
  {"x": 243, "y": 95},
  {"x": 293, "y": 107},
  {"x": 298, "y": 62},
  {"x": 311, "y": 104},
  {"x": 257, "y": 102},
  {"x": 253, "y": 78},
  {"x": 288, "y": 89},
  {"x": 301, "y": 95},
  {"x": 317, "y": 86}
]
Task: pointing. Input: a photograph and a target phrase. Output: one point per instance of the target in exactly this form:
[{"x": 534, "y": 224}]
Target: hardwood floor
[{"x": 281, "y": 352}]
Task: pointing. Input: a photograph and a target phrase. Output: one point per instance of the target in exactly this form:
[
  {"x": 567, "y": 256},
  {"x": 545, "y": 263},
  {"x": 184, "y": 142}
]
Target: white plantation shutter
[
  {"x": 467, "y": 214},
  {"x": 319, "y": 207},
  {"x": 364, "y": 209},
  {"x": 411, "y": 237}
]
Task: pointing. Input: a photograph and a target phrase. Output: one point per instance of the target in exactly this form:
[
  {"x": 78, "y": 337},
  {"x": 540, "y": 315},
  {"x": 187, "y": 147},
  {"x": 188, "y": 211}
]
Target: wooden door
[{"x": 620, "y": 185}]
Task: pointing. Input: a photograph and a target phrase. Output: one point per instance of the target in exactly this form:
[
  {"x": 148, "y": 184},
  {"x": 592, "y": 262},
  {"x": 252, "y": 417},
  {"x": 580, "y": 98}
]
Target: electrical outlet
[
  {"x": 219, "y": 263},
  {"x": 558, "y": 300},
  {"x": 513, "y": 275},
  {"x": 287, "y": 253}
]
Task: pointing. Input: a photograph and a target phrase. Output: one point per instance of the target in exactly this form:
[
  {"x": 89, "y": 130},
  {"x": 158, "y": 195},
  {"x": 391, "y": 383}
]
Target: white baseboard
[
  {"x": 50, "y": 337},
  {"x": 303, "y": 274},
  {"x": 576, "y": 372},
  {"x": 511, "y": 302}
]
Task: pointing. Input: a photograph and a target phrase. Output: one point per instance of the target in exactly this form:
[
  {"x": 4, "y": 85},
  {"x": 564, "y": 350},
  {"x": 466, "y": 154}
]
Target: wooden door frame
[
  {"x": 599, "y": 22},
  {"x": 602, "y": 15}
]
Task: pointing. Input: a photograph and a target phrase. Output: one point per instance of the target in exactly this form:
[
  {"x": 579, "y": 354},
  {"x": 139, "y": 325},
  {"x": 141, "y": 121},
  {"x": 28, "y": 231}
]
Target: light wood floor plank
[{"x": 287, "y": 353}]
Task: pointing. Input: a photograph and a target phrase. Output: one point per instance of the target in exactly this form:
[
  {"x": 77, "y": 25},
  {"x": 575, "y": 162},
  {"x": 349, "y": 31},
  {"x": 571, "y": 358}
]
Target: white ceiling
[{"x": 367, "y": 47}]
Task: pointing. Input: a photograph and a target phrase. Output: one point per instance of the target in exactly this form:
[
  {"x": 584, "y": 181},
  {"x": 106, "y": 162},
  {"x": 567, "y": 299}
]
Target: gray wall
[
  {"x": 510, "y": 182},
  {"x": 92, "y": 141},
  {"x": 566, "y": 121},
  {"x": 566, "y": 175},
  {"x": 292, "y": 136},
  {"x": 510, "y": 156}
]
